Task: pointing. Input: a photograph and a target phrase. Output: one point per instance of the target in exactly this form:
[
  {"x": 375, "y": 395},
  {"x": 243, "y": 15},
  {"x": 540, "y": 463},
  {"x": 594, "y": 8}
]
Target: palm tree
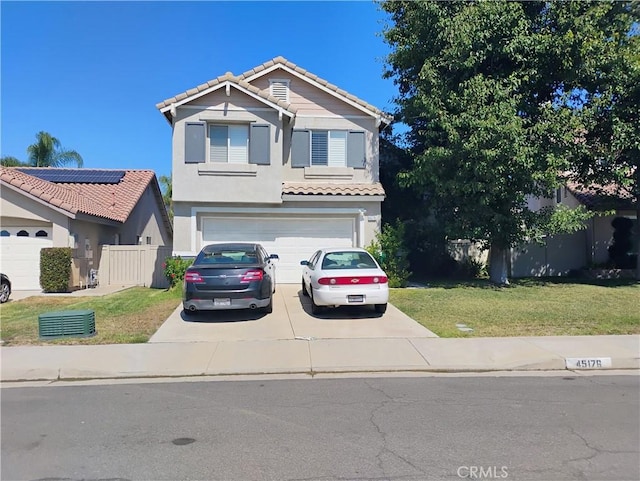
[
  {"x": 48, "y": 152},
  {"x": 10, "y": 161},
  {"x": 166, "y": 185}
]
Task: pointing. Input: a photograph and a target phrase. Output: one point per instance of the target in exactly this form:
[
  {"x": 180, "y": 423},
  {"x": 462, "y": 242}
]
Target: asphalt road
[{"x": 416, "y": 428}]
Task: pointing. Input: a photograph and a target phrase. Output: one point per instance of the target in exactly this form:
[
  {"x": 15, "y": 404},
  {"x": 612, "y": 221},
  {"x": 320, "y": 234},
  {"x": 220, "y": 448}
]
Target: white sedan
[{"x": 344, "y": 277}]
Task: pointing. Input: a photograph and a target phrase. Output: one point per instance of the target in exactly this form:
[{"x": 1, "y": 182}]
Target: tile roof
[
  {"x": 597, "y": 197},
  {"x": 318, "y": 188},
  {"x": 256, "y": 71},
  {"x": 228, "y": 77},
  {"x": 109, "y": 201}
]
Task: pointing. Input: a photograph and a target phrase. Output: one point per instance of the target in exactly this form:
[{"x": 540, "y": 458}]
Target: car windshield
[
  {"x": 348, "y": 260},
  {"x": 226, "y": 256}
]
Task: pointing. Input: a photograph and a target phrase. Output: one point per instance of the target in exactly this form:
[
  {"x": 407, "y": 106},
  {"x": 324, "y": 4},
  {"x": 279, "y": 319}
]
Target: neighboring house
[
  {"x": 84, "y": 209},
  {"x": 562, "y": 253},
  {"x": 278, "y": 156}
]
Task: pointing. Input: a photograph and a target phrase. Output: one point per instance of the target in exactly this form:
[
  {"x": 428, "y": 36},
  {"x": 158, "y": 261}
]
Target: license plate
[
  {"x": 358, "y": 298},
  {"x": 222, "y": 302}
]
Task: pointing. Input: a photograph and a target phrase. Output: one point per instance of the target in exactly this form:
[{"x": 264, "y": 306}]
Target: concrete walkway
[{"x": 291, "y": 341}]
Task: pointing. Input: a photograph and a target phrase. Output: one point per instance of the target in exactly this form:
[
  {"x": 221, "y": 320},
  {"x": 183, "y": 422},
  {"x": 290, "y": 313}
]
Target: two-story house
[{"x": 278, "y": 156}]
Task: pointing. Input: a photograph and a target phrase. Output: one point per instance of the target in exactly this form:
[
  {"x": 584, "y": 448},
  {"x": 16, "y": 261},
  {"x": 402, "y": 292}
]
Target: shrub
[
  {"x": 389, "y": 250},
  {"x": 174, "y": 269},
  {"x": 55, "y": 269}
]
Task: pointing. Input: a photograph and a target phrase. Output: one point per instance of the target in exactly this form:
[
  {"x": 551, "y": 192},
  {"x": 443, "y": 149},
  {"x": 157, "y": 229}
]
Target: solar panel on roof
[{"x": 76, "y": 176}]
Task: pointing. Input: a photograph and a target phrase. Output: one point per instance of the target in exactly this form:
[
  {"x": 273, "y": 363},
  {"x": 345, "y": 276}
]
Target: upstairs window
[
  {"x": 332, "y": 148},
  {"x": 229, "y": 143},
  {"x": 279, "y": 89},
  {"x": 232, "y": 144}
]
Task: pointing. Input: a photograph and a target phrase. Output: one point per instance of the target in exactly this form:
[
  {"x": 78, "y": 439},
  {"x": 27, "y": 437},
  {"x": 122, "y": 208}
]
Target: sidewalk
[
  {"x": 292, "y": 341},
  {"x": 178, "y": 359}
]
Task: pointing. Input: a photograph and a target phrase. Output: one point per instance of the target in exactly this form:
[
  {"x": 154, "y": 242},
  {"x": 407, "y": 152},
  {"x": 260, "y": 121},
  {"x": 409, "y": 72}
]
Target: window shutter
[
  {"x": 259, "y": 145},
  {"x": 300, "y": 148},
  {"x": 218, "y": 135},
  {"x": 356, "y": 157},
  {"x": 194, "y": 143},
  {"x": 319, "y": 147}
]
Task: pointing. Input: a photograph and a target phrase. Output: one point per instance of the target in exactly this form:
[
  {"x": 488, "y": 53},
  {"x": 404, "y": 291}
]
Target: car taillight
[
  {"x": 354, "y": 281},
  {"x": 250, "y": 276},
  {"x": 193, "y": 277}
]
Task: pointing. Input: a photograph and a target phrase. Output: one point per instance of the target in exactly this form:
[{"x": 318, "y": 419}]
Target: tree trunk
[{"x": 498, "y": 265}]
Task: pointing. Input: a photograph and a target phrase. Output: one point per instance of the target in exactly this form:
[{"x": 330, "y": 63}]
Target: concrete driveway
[{"x": 291, "y": 319}]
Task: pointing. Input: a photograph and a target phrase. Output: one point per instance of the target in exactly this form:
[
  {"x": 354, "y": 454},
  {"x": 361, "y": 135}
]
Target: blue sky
[{"x": 91, "y": 73}]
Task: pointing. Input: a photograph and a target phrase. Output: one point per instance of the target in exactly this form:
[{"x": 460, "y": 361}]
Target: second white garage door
[
  {"x": 20, "y": 260},
  {"x": 292, "y": 239}
]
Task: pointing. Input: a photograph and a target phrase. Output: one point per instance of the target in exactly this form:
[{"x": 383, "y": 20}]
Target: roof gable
[
  {"x": 244, "y": 80},
  {"x": 226, "y": 82}
]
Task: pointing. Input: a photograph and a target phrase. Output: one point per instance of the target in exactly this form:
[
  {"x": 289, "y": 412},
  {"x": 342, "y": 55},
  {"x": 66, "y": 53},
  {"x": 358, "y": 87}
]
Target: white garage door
[
  {"x": 20, "y": 257},
  {"x": 292, "y": 239}
]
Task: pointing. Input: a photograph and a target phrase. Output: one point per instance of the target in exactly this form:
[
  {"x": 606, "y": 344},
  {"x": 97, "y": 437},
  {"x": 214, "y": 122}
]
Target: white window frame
[
  {"x": 237, "y": 148},
  {"x": 336, "y": 148}
]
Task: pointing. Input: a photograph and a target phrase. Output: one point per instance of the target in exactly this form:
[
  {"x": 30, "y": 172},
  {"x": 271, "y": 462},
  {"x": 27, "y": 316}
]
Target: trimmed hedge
[{"x": 55, "y": 269}]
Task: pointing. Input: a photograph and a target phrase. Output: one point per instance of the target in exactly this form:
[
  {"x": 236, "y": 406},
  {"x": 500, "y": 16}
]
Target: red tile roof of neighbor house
[
  {"x": 319, "y": 188},
  {"x": 601, "y": 197},
  {"x": 112, "y": 201}
]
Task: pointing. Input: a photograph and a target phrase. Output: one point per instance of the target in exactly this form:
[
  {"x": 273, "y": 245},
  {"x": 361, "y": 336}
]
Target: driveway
[{"x": 291, "y": 319}]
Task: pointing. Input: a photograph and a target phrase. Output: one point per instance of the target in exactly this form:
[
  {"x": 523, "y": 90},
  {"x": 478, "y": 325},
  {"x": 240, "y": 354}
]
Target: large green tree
[
  {"x": 609, "y": 85},
  {"x": 47, "y": 151},
  {"x": 490, "y": 92}
]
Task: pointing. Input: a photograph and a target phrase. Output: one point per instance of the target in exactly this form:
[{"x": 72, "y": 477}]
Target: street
[{"x": 378, "y": 428}]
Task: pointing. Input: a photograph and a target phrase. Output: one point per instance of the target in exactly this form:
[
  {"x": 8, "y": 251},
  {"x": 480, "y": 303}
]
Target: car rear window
[
  {"x": 223, "y": 256},
  {"x": 348, "y": 260}
]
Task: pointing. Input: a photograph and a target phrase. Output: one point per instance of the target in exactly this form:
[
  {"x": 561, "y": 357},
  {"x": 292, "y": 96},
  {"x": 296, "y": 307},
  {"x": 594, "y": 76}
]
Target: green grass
[
  {"x": 532, "y": 307},
  {"x": 125, "y": 317}
]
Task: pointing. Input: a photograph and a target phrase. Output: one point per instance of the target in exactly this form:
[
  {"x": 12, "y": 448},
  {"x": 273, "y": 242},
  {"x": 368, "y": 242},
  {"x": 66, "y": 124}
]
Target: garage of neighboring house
[
  {"x": 20, "y": 253},
  {"x": 293, "y": 238}
]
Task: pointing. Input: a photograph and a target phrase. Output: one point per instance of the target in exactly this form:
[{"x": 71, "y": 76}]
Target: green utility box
[{"x": 53, "y": 325}]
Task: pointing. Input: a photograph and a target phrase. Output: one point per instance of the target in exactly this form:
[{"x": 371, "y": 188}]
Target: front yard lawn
[
  {"x": 125, "y": 317},
  {"x": 528, "y": 307}
]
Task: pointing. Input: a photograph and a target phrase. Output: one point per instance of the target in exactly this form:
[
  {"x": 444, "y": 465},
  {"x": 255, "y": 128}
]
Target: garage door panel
[
  {"x": 21, "y": 260},
  {"x": 292, "y": 239}
]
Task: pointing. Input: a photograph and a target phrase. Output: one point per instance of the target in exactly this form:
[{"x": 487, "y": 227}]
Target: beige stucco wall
[
  {"x": 307, "y": 98},
  {"x": 146, "y": 221},
  {"x": 218, "y": 182},
  {"x": 18, "y": 209}
]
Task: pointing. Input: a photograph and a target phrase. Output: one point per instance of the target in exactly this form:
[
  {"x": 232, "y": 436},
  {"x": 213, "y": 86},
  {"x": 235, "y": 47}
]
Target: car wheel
[
  {"x": 4, "y": 292},
  {"x": 269, "y": 308},
  {"x": 304, "y": 289},
  {"x": 380, "y": 308},
  {"x": 315, "y": 308}
]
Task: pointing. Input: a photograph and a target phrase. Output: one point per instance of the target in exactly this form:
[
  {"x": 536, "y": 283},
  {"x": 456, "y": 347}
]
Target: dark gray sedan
[{"x": 230, "y": 276}]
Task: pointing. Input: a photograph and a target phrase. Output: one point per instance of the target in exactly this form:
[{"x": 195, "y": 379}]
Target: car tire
[
  {"x": 269, "y": 308},
  {"x": 4, "y": 293},
  {"x": 380, "y": 308},
  {"x": 315, "y": 308},
  {"x": 304, "y": 289}
]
